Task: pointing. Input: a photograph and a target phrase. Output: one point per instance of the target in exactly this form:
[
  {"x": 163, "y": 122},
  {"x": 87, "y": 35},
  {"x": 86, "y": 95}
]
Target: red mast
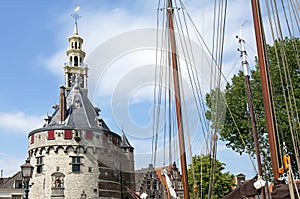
[{"x": 264, "y": 75}]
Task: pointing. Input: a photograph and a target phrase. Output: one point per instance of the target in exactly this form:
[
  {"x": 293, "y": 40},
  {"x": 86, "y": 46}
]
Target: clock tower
[{"x": 75, "y": 69}]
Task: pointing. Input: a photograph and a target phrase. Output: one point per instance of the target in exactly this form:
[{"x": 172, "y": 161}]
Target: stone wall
[{"x": 98, "y": 157}]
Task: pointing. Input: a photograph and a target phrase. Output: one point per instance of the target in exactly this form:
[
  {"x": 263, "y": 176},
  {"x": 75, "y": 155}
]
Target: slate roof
[
  {"x": 125, "y": 142},
  {"x": 81, "y": 114}
]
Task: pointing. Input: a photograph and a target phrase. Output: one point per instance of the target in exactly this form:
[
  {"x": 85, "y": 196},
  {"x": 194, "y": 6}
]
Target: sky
[{"x": 34, "y": 38}]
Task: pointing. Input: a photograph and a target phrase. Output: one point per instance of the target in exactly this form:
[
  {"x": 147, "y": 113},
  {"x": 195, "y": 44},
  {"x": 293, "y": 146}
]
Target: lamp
[{"x": 27, "y": 170}]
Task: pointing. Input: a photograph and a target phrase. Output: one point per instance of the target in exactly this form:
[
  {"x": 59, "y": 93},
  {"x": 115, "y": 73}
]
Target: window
[
  {"x": 154, "y": 186},
  {"x": 50, "y": 134},
  {"x": 68, "y": 134},
  {"x": 18, "y": 184},
  {"x": 180, "y": 185},
  {"x": 110, "y": 138},
  {"x": 148, "y": 185},
  {"x": 115, "y": 140},
  {"x": 76, "y": 162},
  {"x": 104, "y": 137},
  {"x": 89, "y": 135},
  {"x": 32, "y": 138},
  {"x": 75, "y": 61},
  {"x": 39, "y": 164}
]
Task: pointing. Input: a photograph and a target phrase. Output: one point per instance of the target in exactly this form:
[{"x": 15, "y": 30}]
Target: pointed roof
[
  {"x": 80, "y": 113},
  {"x": 125, "y": 142}
]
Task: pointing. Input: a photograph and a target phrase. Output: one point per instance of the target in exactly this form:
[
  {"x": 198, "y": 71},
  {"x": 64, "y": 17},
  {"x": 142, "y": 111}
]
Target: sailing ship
[{"x": 176, "y": 46}]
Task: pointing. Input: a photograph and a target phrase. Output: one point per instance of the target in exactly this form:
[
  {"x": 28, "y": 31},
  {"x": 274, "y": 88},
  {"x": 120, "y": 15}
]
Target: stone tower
[{"x": 75, "y": 154}]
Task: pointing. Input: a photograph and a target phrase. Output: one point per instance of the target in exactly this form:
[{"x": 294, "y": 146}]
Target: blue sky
[{"x": 33, "y": 43}]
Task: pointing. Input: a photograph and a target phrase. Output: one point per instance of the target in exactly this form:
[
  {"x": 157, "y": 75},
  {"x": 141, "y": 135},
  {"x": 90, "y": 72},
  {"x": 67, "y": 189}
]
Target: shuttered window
[
  {"x": 50, "y": 134},
  {"x": 89, "y": 135},
  {"x": 68, "y": 134},
  {"x": 32, "y": 138}
]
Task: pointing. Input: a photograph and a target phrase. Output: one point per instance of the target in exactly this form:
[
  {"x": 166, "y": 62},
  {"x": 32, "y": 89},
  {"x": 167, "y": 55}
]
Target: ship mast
[
  {"x": 177, "y": 100},
  {"x": 250, "y": 103},
  {"x": 264, "y": 75}
]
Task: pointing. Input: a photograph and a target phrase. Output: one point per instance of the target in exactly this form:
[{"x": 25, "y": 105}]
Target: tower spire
[
  {"x": 75, "y": 70},
  {"x": 76, "y": 17}
]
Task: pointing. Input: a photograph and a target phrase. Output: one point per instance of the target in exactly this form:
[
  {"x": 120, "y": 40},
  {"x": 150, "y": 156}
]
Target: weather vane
[{"x": 76, "y": 15}]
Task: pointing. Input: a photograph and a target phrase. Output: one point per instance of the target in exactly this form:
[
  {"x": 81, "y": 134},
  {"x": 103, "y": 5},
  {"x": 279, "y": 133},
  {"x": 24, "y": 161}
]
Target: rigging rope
[
  {"x": 286, "y": 80},
  {"x": 161, "y": 95}
]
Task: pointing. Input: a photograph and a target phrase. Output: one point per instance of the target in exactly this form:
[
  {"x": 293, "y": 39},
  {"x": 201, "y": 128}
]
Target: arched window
[
  {"x": 75, "y": 61},
  {"x": 75, "y": 45}
]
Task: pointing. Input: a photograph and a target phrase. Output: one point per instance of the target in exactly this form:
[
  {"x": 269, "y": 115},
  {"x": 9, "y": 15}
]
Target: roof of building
[
  {"x": 9, "y": 183},
  {"x": 124, "y": 142},
  {"x": 139, "y": 175},
  {"x": 80, "y": 113}
]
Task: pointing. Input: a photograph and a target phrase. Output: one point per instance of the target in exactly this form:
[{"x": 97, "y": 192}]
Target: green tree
[
  {"x": 284, "y": 71},
  {"x": 223, "y": 181}
]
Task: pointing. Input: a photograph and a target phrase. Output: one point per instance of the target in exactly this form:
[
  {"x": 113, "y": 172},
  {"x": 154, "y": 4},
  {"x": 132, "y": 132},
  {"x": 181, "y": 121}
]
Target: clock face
[{"x": 72, "y": 78}]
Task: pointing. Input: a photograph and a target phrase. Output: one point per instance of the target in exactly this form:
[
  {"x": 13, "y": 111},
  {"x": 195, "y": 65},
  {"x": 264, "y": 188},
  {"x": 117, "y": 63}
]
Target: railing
[{"x": 80, "y": 64}]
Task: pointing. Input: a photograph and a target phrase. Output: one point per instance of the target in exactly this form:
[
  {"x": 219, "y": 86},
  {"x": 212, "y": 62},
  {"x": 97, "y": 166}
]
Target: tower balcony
[{"x": 83, "y": 65}]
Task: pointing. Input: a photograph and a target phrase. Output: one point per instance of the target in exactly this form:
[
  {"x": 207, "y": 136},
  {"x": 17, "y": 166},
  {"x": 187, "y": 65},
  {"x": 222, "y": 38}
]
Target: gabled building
[
  {"x": 75, "y": 153},
  {"x": 11, "y": 188},
  {"x": 159, "y": 183}
]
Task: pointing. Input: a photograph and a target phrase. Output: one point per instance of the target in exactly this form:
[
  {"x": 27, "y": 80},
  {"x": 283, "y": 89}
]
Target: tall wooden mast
[
  {"x": 264, "y": 75},
  {"x": 177, "y": 100}
]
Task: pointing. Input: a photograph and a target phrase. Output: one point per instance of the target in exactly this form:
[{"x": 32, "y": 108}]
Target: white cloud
[
  {"x": 96, "y": 26},
  {"x": 97, "y": 30},
  {"x": 9, "y": 164},
  {"x": 104, "y": 27},
  {"x": 19, "y": 122}
]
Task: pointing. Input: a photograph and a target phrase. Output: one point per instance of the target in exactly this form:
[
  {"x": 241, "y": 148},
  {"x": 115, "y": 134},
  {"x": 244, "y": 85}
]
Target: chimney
[{"x": 62, "y": 104}]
